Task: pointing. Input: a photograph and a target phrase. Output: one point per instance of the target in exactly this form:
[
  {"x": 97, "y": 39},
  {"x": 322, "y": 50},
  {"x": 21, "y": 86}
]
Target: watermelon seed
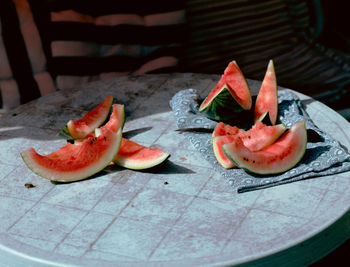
[{"x": 29, "y": 185}]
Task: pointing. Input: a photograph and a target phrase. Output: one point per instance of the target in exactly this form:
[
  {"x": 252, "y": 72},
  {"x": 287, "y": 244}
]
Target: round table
[{"x": 180, "y": 213}]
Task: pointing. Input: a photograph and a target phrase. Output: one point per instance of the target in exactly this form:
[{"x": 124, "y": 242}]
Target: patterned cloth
[{"x": 324, "y": 155}]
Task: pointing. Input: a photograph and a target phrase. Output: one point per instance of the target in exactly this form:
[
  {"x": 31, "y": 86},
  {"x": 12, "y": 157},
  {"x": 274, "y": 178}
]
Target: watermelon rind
[
  {"x": 277, "y": 158},
  {"x": 67, "y": 174},
  {"x": 223, "y": 107},
  {"x": 89, "y": 122},
  {"x": 82, "y": 159},
  {"x": 230, "y": 98},
  {"x": 219, "y": 154},
  {"x": 135, "y": 156},
  {"x": 267, "y": 99}
]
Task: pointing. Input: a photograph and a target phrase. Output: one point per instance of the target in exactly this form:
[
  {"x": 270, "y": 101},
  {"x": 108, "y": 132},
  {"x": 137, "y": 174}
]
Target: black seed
[{"x": 29, "y": 185}]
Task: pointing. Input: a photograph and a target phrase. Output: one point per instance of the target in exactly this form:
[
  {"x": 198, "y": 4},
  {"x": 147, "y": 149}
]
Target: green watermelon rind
[
  {"x": 64, "y": 133},
  {"x": 223, "y": 106},
  {"x": 224, "y": 103},
  {"x": 292, "y": 165}
]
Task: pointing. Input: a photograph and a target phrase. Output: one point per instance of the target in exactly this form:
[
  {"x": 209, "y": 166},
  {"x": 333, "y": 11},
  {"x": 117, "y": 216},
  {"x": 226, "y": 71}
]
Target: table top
[{"x": 180, "y": 213}]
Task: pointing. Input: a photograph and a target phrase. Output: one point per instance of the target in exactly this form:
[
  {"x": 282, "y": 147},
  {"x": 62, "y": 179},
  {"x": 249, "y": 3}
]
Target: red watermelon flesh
[
  {"x": 278, "y": 157},
  {"x": 134, "y": 156},
  {"x": 93, "y": 119},
  {"x": 237, "y": 85},
  {"x": 267, "y": 100},
  {"x": 256, "y": 138},
  {"x": 261, "y": 136},
  {"x": 224, "y": 129},
  {"x": 80, "y": 160}
]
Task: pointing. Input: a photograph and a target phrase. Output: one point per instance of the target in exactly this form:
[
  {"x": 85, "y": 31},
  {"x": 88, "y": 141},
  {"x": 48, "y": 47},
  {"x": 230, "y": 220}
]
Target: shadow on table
[{"x": 167, "y": 167}]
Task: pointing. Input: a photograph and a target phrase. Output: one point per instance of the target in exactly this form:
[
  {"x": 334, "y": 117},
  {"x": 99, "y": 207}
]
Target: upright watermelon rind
[
  {"x": 89, "y": 122},
  {"x": 230, "y": 97},
  {"x": 267, "y": 99}
]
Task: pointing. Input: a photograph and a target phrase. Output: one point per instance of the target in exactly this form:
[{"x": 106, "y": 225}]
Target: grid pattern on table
[{"x": 183, "y": 210}]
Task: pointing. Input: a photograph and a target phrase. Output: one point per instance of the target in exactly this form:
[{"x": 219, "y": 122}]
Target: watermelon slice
[
  {"x": 138, "y": 157},
  {"x": 261, "y": 135},
  {"x": 267, "y": 100},
  {"x": 132, "y": 155},
  {"x": 255, "y": 139},
  {"x": 231, "y": 96},
  {"x": 278, "y": 157},
  {"x": 87, "y": 124},
  {"x": 80, "y": 160},
  {"x": 218, "y": 142}
]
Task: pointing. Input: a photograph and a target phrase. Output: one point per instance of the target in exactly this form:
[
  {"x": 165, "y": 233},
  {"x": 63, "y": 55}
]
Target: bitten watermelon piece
[
  {"x": 225, "y": 129},
  {"x": 255, "y": 139},
  {"x": 218, "y": 142},
  {"x": 267, "y": 100},
  {"x": 80, "y": 160},
  {"x": 261, "y": 135},
  {"x": 231, "y": 96},
  {"x": 80, "y": 128},
  {"x": 278, "y": 157},
  {"x": 134, "y": 156}
]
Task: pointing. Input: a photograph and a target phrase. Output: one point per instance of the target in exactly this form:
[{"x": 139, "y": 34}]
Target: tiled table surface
[{"x": 180, "y": 213}]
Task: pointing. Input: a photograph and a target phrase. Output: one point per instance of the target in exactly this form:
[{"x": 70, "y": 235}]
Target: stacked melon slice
[
  {"x": 265, "y": 148},
  {"x": 93, "y": 148}
]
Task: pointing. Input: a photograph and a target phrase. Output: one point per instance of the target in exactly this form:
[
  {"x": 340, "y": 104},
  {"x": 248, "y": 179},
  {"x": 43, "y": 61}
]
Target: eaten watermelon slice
[
  {"x": 278, "y": 157},
  {"x": 267, "y": 99},
  {"x": 255, "y": 139},
  {"x": 261, "y": 135},
  {"x": 218, "y": 142},
  {"x": 131, "y": 155},
  {"x": 80, "y": 128},
  {"x": 82, "y": 159},
  {"x": 222, "y": 129},
  {"x": 134, "y": 156},
  {"x": 231, "y": 96}
]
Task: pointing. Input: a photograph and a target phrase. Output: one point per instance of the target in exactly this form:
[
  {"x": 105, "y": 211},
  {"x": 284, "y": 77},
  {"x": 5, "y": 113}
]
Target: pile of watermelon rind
[
  {"x": 267, "y": 147},
  {"x": 94, "y": 143}
]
